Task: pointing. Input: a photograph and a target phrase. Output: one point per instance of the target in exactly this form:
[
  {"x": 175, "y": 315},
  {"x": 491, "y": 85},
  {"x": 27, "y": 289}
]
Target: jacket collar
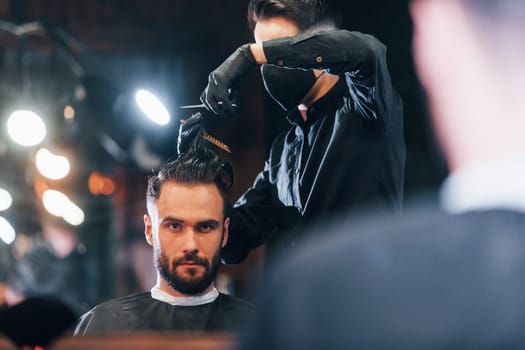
[{"x": 485, "y": 186}]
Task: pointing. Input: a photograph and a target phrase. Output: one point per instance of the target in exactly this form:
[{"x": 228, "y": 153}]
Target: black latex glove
[
  {"x": 190, "y": 133},
  {"x": 218, "y": 95}
]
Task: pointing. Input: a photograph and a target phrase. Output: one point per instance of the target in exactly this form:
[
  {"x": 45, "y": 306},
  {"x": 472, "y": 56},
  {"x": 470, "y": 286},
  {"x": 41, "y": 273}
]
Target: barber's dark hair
[
  {"x": 200, "y": 166},
  {"x": 308, "y": 14}
]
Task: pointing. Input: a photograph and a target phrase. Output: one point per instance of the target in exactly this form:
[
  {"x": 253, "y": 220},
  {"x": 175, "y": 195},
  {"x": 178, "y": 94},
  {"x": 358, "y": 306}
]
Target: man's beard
[{"x": 192, "y": 284}]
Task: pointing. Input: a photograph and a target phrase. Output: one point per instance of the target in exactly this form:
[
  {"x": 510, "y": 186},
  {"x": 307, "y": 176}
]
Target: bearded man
[{"x": 187, "y": 225}]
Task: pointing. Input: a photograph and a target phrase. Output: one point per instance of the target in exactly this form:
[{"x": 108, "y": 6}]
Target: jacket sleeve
[
  {"x": 253, "y": 219},
  {"x": 258, "y": 214},
  {"x": 358, "y": 58}
]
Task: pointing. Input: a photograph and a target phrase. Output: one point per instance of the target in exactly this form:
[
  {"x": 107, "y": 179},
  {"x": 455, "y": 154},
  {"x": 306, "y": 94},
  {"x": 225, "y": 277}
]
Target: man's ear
[
  {"x": 226, "y": 232},
  {"x": 148, "y": 229}
]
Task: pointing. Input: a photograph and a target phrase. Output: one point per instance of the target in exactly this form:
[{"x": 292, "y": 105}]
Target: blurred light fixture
[
  {"x": 52, "y": 166},
  {"x": 152, "y": 107},
  {"x": 7, "y": 232},
  {"x": 58, "y": 204},
  {"x": 69, "y": 112},
  {"x": 100, "y": 184},
  {"x": 26, "y": 128},
  {"x": 5, "y": 199}
]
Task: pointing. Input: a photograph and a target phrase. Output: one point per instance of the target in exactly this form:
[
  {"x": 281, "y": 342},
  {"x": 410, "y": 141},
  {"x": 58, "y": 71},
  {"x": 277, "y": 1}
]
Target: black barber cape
[{"x": 140, "y": 312}]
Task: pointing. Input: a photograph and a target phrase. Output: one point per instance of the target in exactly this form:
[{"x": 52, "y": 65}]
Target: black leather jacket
[{"x": 349, "y": 154}]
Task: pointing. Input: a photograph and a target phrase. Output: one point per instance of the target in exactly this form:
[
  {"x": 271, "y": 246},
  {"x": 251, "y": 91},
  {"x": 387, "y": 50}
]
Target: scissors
[{"x": 202, "y": 105}]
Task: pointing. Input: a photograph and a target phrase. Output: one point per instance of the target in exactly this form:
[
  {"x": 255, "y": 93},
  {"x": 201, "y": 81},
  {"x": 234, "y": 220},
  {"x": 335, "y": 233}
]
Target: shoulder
[
  {"x": 128, "y": 302},
  {"x": 235, "y": 303},
  {"x": 115, "y": 314},
  {"x": 424, "y": 265},
  {"x": 229, "y": 313},
  {"x": 423, "y": 234},
  {"x": 357, "y": 38}
]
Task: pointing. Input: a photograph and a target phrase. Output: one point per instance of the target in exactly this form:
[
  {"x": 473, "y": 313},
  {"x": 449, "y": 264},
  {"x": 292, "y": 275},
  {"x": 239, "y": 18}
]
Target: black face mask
[{"x": 287, "y": 86}]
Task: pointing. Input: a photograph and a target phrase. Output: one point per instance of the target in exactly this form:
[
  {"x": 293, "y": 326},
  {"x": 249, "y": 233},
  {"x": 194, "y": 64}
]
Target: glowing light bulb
[
  {"x": 54, "y": 167},
  {"x": 152, "y": 107},
  {"x": 26, "y": 128}
]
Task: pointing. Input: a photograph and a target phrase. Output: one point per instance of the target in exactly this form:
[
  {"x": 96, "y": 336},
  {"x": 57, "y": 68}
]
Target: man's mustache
[{"x": 192, "y": 258}]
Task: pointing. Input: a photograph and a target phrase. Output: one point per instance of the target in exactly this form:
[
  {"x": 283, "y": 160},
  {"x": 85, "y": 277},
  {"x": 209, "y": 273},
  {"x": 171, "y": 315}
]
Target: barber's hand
[
  {"x": 218, "y": 95},
  {"x": 190, "y": 132}
]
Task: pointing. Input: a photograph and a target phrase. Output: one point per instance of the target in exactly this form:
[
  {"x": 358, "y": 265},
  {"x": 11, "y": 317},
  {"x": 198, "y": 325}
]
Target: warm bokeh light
[
  {"x": 152, "y": 107},
  {"x": 7, "y": 232},
  {"x": 5, "y": 199},
  {"x": 26, "y": 128},
  {"x": 100, "y": 184},
  {"x": 58, "y": 204},
  {"x": 52, "y": 166},
  {"x": 40, "y": 185},
  {"x": 69, "y": 112}
]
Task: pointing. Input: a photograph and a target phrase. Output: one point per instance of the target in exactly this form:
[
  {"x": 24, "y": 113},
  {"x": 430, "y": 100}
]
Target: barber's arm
[
  {"x": 253, "y": 220},
  {"x": 336, "y": 51},
  {"x": 322, "y": 50},
  {"x": 359, "y": 58},
  {"x": 259, "y": 213}
]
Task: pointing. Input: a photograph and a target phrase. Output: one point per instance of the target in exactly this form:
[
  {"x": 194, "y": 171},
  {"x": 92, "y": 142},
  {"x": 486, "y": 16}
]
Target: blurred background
[{"x": 76, "y": 148}]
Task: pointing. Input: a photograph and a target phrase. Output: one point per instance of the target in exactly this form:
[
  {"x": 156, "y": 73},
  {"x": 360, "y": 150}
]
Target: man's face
[
  {"x": 274, "y": 28},
  {"x": 187, "y": 229}
]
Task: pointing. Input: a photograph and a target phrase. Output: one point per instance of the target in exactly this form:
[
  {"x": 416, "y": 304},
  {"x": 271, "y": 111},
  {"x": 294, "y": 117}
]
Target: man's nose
[{"x": 190, "y": 243}]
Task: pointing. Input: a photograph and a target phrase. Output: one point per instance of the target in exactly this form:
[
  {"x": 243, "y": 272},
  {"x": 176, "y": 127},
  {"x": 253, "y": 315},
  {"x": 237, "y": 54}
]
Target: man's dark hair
[
  {"x": 200, "y": 166},
  {"x": 308, "y": 14}
]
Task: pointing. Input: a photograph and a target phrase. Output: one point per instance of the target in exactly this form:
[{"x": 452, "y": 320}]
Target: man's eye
[
  {"x": 174, "y": 226},
  {"x": 205, "y": 228}
]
